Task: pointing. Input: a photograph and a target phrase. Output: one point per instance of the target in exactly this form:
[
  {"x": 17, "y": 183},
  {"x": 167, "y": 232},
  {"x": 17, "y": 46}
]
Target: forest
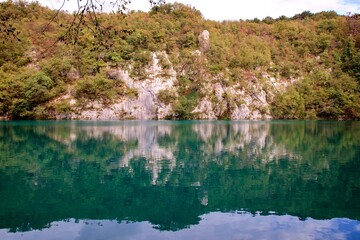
[{"x": 56, "y": 64}]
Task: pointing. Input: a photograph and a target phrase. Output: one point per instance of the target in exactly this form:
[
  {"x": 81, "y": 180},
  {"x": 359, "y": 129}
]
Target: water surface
[{"x": 179, "y": 180}]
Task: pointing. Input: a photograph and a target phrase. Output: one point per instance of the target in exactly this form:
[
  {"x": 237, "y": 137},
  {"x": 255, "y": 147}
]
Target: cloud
[{"x": 214, "y": 225}]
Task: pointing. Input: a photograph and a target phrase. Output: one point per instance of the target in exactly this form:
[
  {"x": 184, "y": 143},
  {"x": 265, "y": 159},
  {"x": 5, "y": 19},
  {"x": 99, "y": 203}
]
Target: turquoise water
[{"x": 179, "y": 180}]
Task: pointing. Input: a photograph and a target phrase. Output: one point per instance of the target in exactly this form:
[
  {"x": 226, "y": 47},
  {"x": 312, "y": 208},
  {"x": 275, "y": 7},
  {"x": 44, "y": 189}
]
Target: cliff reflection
[
  {"x": 172, "y": 146},
  {"x": 170, "y": 173},
  {"x": 167, "y": 145}
]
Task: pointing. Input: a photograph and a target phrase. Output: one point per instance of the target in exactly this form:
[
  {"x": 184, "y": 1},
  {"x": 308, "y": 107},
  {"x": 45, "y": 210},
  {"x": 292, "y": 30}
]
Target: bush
[
  {"x": 185, "y": 105},
  {"x": 140, "y": 60},
  {"x": 288, "y": 105},
  {"x": 27, "y": 92},
  {"x": 251, "y": 53},
  {"x": 95, "y": 88},
  {"x": 320, "y": 95},
  {"x": 37, "y": 88},
  {"x": 166, "y": 96},
  {"x": 63, "y": 107},
  {"x": 57, "y": 68}
]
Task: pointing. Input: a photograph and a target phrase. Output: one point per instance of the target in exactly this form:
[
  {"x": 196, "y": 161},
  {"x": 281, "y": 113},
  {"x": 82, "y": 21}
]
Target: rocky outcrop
[
  {"x": 219, "y": 99},
  {"x": 236, "y": 102},
  {"x": 145, "y": 105},
  {"x": 73, "y": 74},
  {"x": 204, "y": 41}
]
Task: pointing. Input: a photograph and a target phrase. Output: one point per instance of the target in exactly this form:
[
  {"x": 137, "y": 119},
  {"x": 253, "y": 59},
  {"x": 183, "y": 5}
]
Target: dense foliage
[{"x": 42, "y": 58}]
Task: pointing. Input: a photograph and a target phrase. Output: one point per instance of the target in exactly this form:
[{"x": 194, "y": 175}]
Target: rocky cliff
[{"x": 218, "y": 99}]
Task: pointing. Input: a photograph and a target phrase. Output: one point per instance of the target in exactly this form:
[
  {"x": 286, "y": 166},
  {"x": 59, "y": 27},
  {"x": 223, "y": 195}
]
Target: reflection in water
[{"x": 175, "y": 175}]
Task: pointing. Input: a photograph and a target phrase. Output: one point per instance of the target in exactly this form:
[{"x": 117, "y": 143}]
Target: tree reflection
[{"x": 170, "y": 173}]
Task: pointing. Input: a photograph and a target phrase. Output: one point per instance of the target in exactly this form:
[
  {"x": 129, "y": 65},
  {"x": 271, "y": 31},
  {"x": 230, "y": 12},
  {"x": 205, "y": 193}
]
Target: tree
[
  {"x": 303, "y": 15},
  {"x": 86, "y": 15}
]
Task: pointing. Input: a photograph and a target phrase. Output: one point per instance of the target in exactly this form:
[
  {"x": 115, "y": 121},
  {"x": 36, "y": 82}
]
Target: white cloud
[
  {"x": 241, "y": 9},
  {"x": 212, "y": 226}
]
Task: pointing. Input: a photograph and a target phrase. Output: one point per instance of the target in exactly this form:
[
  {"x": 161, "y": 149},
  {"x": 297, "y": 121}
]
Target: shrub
[
  {"x": 57, "y": 68},
  {"x": 166, "y": 96},
  {"x": 95, "y": 88},
  {"x": 27, "y": 92},
  {"x": 63, "y": 107},
  {"x": 288, "y": 105},
  {"x": 184, "y": 106}
]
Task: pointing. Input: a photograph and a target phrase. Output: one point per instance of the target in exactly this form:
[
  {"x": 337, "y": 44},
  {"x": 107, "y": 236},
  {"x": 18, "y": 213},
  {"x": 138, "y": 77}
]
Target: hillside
[{"x": 170, "y": 63}]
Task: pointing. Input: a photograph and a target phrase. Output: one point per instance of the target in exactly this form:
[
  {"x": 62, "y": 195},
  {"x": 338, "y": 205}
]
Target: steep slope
[{"x": 170, "y": 63}]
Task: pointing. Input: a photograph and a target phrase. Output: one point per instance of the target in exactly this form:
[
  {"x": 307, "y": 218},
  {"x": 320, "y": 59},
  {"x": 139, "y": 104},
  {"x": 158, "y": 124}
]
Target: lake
[{"x": 179, "y": 180}]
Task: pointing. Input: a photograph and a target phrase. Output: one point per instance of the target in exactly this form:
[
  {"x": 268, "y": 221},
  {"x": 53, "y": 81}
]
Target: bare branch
[{"x": 53, "y": 17}]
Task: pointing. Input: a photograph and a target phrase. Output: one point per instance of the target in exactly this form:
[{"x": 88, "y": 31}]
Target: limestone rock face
[
  {"x": 248, "y": 98},
  {"x": 204, "y": 40},
  {"x": 146, "y": 105},
  {"x": 234, "y": 102}
]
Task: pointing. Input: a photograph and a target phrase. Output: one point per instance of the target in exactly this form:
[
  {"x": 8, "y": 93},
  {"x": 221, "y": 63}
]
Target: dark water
[{"x": 180, "y": 180}]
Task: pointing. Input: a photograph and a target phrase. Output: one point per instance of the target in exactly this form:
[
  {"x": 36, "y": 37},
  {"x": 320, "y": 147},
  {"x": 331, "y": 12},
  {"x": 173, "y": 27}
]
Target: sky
[
  {"x": 212, "y": 226},
  {"x": 240, "y": 9}
]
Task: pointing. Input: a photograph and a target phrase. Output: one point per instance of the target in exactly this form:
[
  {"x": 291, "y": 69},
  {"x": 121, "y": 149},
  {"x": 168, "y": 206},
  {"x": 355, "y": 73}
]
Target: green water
[{"x": 179, "y": 180}]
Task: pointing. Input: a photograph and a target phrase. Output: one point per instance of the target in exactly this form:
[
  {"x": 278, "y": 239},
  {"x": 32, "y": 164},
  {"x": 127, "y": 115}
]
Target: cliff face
[
  {"x": 145, "y": 104},
  {"x": 217, "y": 99}
]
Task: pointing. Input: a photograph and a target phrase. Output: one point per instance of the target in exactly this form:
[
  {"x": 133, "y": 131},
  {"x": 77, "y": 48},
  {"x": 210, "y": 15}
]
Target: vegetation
[{"x": 44, "y": 57}]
